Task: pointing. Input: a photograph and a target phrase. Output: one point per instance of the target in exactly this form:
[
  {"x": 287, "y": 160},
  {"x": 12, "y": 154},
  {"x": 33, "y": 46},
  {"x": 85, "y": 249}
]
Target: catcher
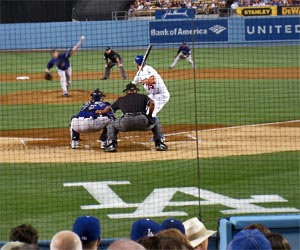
[
  {"x": 87, "y": 120},
  {"x": 62, "y": 63},
  {"x": 183, "y": 53}
]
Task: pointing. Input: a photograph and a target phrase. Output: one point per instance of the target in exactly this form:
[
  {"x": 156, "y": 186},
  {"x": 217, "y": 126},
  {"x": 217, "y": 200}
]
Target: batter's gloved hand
[
  {"x": 152, "y": 120},
  {"x": 48, "y": 76},
  {"x": 136, "y": 80}
]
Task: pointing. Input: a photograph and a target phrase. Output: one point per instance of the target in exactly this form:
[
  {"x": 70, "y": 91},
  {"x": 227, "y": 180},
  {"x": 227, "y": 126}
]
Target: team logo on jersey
[{"x": 217, "y": 29}]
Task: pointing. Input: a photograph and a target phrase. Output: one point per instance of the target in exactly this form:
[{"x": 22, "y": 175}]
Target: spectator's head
[
  {"x": 144, "y": 227},
  {"x": 24, "y": 233},
  {"x": 259, "y": 227},
  {"x": 278, "y": 242},
  {"x": 174, "y": 233},
  {"x": 249, "y": 240},
  {"x": 163, "y": 243},
  {"x": 197, "y": 233},
  {"x": 172, "y": 223},
  {"x": 65, "y": 240},
  {"x": 89, "y": 231},
  {"x": 125, "y": 244},
  {"x": 107, "y": 50},
  {"x": 54, "y": 53}
]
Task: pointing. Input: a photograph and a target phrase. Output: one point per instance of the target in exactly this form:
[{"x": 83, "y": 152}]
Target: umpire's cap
[
  {"x": 97, "y": 95},
  {"x": 131, "y": 87}
]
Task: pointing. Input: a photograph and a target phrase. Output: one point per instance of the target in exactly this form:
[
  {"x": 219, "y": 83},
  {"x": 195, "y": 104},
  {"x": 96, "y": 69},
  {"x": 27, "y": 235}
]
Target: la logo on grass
[{"x": 160, "y": 198}]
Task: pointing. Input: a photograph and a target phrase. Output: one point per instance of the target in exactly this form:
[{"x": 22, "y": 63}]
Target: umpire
[
  {"x": 133, "y": 106},
  {"x": 115, "y": 59}
]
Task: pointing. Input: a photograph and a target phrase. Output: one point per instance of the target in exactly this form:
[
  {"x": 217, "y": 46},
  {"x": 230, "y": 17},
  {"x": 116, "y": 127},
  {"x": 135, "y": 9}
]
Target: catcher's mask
[{"x": 97, "y": 95}]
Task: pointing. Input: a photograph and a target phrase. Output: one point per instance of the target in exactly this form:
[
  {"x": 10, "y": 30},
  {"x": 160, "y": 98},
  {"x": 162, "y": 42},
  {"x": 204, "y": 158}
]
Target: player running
[
  {"x": 62, "y": 63},
  {"x": 87, "y": 120},
  {"x": 153, "y": 84},
  {"x": 183, "y": 53},
  {"x": 115, "y": 59}
]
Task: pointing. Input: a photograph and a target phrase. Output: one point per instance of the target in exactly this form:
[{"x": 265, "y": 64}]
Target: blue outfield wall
[{"x": 133, "y": 34}]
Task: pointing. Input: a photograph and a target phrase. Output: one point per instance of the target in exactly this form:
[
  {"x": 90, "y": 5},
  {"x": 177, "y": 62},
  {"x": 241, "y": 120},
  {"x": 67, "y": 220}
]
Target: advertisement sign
[
  {"x": 214, "y": 30},
  {"x": 291, "y": 10},
  {"x": 175, "y": 13},
  {"x": 272, "y": 29},
  {"x": 257, "y": 11}
]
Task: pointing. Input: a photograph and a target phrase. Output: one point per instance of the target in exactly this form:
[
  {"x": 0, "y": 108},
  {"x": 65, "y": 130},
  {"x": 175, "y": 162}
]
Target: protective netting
[{"x": 231, "y": 124}]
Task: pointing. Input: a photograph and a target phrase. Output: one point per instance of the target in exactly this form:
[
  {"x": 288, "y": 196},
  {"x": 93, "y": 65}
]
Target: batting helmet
[
  {"x": 97, "y": 95},
  {"x": 139, "y": 60}
]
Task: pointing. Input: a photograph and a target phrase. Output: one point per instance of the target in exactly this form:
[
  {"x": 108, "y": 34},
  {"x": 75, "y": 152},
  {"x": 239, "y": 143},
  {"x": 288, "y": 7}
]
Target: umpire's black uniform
[
  {"x": 133, "y": 106},
  {"x": 115, "y": 59}
]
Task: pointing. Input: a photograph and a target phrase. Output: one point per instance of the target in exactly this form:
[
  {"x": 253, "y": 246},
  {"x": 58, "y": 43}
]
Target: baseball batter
[
  {"x": 62, "y": 63},
  {"x": 183, "y": 53},
  {"x": 153, "y": 84},
  {"x": 87, "y": 120}
]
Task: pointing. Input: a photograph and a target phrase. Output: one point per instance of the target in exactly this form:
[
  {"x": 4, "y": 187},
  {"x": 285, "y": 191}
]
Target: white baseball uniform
[{"x": 158, "y": 91}]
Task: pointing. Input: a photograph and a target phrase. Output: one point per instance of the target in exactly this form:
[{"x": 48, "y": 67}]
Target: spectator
[
  {"x": 278, "y": 242},
  {"x": 11, "y": 245},
  {"x": 266, "y": 231},
  {"x": 197, "y": 233},
  {"x": 163, "y": 243},
  {"x": 65, "y": 240},
  {"x": 249, "y": 240},
  {"x": 175, "y": 233},
  {"x": 173, "y": 223},
  {"x": 24, "y": 233},
  {"x": 125, "y": 244},
  {"x": 25, "y": 246},
  {"x": 89, "y": 231},
  {"x": 144, "y": 227}
]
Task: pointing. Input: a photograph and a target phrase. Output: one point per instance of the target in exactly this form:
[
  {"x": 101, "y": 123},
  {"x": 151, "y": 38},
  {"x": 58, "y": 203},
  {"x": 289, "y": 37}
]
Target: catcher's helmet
[
  {"x": 139, "y": 60},
  {"x": 97, "y": 95}
]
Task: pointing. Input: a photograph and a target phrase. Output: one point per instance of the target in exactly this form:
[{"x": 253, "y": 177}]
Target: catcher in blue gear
[{"x": 87, "y": 120}]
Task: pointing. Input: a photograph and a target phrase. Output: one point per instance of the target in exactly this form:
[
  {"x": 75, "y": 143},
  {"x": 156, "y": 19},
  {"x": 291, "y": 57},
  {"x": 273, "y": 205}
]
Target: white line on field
[
  {"x": 232, "y": 127},
  {"x": 26, "y": 139},
  {"x": 250, "y": 125}
]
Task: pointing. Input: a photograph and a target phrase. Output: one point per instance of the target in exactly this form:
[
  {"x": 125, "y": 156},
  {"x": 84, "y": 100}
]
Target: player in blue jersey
[
  {"x": 87, "y": 120},
  {"x": 184, "y": 53},
  {"x": 62, "y": 63}
]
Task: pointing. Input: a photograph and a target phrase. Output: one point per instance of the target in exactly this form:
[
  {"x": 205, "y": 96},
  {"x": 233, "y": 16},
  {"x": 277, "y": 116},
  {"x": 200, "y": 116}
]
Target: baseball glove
[{"x": 48, "y": 76}]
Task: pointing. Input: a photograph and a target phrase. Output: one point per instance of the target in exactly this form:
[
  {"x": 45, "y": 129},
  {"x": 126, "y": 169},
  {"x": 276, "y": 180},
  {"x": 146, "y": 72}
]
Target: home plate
[{"x": 23, "y": 78}]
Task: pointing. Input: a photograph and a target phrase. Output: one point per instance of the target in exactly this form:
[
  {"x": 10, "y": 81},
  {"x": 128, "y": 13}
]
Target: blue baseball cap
[
  {"x": 249, "y": 240},
  {"x": 87, "y": 228},
  {"x": 173, "y": 223},
  {"x": 144, "y": 227}
]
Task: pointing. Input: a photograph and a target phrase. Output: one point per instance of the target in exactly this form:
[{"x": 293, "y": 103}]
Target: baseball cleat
[
  {"x": 160, "y": 146},
  {"x": 74, "y": 144},
  {"x": 103, "y": 78},
  {"x": 65, "y": 95},
  {"x": 102, "y": 144},
  {"x": 110, "y": 148}
]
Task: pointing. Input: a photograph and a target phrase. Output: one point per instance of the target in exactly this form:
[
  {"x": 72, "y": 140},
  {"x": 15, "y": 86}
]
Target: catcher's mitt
[{"x": 48, "y": 76}]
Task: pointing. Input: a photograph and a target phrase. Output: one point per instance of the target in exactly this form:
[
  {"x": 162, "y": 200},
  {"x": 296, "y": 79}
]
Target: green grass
[
  {"x": 34, "y": 193},
  {"x": 218, "y": 102},
  {"x": 231, "y": 57}
]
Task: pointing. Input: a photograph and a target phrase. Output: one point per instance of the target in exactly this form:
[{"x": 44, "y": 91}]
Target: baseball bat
[{"x": 145, "y": 58}]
